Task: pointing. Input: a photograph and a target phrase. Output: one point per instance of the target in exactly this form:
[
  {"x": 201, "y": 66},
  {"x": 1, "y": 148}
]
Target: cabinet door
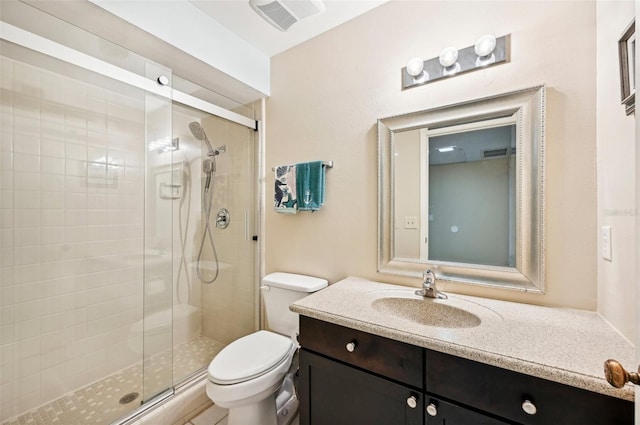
[
  {"x": 503, "y": 393},
  {"x": 332, "y": 393},
  {"x": 440, "y": 412}
]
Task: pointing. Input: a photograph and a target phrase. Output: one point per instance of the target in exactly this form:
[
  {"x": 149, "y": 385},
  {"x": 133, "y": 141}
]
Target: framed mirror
[{"x": 461, "y": 191}]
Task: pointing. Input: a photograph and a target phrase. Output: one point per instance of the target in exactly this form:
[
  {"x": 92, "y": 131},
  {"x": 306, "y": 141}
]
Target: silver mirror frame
[{"x": 528, "y": 107}]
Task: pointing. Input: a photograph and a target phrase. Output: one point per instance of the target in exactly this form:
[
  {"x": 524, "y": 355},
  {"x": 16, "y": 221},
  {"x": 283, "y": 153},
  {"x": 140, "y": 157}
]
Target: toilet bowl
[
  {"x": 247, "y": 373},
  {"x": 253, "y": 376}
]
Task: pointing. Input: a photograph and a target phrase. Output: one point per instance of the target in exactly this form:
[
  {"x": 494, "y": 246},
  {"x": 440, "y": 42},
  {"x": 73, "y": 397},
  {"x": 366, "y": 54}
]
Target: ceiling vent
[
  {"x": 496, "y": 153},
  {"x": 284, "y": 13}
]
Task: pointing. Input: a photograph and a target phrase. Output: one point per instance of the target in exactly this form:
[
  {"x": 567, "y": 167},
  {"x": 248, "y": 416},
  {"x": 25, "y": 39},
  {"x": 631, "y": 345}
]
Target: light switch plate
[
  {"x": 606, "y": 242},
  {"x": 410, "y": 222}
]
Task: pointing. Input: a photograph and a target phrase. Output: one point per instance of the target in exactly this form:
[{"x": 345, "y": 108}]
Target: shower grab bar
[{"x": 325, "y": 164}]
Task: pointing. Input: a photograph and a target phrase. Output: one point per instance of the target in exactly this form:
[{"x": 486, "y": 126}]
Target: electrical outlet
[
  {"x": 410, "y": 222},
  {"x": 606, "y": 242}
]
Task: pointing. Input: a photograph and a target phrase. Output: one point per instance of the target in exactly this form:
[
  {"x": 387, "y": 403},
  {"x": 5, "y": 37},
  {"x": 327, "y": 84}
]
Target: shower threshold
[{"x": 99, "y": 402}]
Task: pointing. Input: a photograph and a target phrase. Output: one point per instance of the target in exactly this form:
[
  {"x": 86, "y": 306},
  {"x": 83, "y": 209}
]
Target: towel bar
[{"x": 325, "y": 164}]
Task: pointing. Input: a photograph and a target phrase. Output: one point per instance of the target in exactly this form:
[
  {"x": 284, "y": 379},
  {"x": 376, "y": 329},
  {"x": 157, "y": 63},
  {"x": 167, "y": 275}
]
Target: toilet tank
[{"x": 279, "y": 291}]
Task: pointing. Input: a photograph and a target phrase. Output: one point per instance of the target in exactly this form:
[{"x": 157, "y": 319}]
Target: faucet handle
[{"x": 429, "y": 288}]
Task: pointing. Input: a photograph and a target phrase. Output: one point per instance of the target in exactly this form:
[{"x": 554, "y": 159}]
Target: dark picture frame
[{"x": 626, "y": 54}]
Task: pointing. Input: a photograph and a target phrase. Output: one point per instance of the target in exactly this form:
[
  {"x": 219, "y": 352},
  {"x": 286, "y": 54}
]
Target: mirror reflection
[
  {"x": 460, "y": 190},
  {"x": 462, "y": 209}
]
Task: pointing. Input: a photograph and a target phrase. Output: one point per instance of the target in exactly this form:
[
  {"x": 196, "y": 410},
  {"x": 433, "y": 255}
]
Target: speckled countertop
[{"x": 561, "y": 345}]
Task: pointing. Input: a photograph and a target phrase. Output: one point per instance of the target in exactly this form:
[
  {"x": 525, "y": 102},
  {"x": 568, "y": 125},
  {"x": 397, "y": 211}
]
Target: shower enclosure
[{"x": 102, "y": 211}]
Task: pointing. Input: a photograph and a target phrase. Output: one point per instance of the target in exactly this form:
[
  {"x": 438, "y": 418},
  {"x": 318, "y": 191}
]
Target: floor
[
  {"x": 99, "y": 403},
  {"x": 212, "y": 416},
  {"x": 218, "y": 416}
]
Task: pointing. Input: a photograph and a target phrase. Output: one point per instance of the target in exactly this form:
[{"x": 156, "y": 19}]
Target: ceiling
[
  {"x": 238, "y": 17},
  {"x": 133, "y": 24}
]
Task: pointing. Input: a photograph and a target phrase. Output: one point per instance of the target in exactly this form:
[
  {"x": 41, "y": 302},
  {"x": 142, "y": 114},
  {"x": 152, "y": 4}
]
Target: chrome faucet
[{"x": 429, "y": 289}]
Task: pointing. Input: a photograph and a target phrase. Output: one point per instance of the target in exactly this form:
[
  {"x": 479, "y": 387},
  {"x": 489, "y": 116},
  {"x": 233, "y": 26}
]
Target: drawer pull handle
[
  {"x": 432, "y": 409},
  {"x": 529, "y": 408},
  {"x": 412, "y": 402},
  {"x": 351, "y": 346}
]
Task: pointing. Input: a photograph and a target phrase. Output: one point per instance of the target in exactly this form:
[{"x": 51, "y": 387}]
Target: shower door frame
[{"x": 47, "y": 47}]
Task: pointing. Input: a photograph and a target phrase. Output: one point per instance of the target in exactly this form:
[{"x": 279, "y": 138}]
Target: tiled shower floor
[{"x": 98, "y": 403}]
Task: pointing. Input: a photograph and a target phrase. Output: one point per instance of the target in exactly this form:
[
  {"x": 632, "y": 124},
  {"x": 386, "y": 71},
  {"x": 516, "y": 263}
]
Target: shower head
[{"x": 198, "y": 133}]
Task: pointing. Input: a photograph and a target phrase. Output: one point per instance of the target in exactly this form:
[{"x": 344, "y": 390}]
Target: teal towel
[{"x": 310, "y": 185}]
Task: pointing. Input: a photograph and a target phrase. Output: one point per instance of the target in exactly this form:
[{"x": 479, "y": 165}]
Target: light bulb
[
  {"x": 449, "y": 56},
  {"x": 485, "y": 45},
  {"x": 415, "y": 66}
]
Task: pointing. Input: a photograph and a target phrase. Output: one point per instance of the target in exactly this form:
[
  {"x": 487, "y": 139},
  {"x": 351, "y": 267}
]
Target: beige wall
[
  {"x": 616, "y": 188},
  {"x": 407, "y": 166},
  {"x": 328, "y": 92}
]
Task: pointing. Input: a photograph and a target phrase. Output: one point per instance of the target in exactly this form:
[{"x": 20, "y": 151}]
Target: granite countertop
[{"x": 561, "y": 345}]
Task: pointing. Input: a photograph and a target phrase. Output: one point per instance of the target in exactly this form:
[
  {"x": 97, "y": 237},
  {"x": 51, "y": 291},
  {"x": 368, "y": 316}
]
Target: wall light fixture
[
  {"x": 487, "y": 51},
  {"x": 449, "y": 60},
  {"x": 484, "y": 48},
  {"x": 415, "y": 68}
]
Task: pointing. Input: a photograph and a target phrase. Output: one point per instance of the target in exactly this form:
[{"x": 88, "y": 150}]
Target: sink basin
[{"x": 439, "y": 313}]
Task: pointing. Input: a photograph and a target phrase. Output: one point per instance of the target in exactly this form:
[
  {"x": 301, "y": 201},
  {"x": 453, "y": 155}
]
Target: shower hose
[{"x": 206, "y": 234}]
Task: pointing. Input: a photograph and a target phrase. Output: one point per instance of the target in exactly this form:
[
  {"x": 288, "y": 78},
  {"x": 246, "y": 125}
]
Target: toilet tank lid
[{"x": 295, "y": 282}]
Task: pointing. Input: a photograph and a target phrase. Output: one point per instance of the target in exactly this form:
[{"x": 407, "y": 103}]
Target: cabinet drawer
[
  {"x": 392, "y": 359},
  {"x": 439, "y": 412},
  {"x": 502, "y": 393}
]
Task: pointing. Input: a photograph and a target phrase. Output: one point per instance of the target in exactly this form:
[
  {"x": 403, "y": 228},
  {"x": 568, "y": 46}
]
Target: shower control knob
[
  {"x": 222, "y": 218},
  {"x": 351, "y": 346},
  {"x": 529, "y": 408},
  {"x": 412, "y": 402}
]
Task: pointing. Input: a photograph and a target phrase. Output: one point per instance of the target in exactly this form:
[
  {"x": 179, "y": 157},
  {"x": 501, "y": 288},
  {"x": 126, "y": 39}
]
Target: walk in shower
[{"x": 103, "y": 209}]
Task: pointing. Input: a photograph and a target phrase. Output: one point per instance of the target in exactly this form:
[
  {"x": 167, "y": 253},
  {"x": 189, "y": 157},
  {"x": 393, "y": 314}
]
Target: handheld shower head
[
  {"x": 208, "y": 168},
  {"x": 198, "y": 133}
]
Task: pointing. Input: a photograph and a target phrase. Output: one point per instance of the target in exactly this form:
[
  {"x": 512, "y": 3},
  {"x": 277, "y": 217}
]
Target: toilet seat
[{"x": 249, "y": 357}]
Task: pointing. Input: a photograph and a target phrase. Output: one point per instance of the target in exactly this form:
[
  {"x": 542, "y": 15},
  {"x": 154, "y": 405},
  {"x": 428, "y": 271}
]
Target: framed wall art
[{"x": 627, "y": 57}]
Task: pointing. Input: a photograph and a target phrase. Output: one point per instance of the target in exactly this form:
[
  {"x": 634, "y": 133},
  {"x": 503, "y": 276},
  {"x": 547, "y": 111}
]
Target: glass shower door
[
  {"x": 160, "y": 191},
  {"x": 208, "y": 316},
  {"x": 95, "y": 318},
  {"x": 85, "y": 256}
]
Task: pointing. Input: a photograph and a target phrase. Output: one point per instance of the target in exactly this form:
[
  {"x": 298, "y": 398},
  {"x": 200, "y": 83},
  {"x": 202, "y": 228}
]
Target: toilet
[{"x": 251, "y": 376}]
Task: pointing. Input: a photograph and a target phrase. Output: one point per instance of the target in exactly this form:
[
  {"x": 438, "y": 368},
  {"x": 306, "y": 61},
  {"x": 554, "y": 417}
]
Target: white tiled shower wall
[{"x": 72, "y": 198}]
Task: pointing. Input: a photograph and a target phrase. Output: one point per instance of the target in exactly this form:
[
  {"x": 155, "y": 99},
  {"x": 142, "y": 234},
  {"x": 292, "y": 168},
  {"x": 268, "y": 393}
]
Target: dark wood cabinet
[
  {"x": 503, "y": 393},
  {"x": 352, "y": 377},
  {"x": 332, "y": 393},
  {"x": 439, "y": 412},
  {"x": 383, "y": 356}
]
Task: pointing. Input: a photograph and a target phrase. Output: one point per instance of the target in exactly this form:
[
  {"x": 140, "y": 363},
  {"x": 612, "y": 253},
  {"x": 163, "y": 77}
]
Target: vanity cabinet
[
  {"x": 332, "y": 393},
  {"x": 352, "y": 377},
  {"x": 440, "y": 412},
  {"x": 511, "y": 395}
]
